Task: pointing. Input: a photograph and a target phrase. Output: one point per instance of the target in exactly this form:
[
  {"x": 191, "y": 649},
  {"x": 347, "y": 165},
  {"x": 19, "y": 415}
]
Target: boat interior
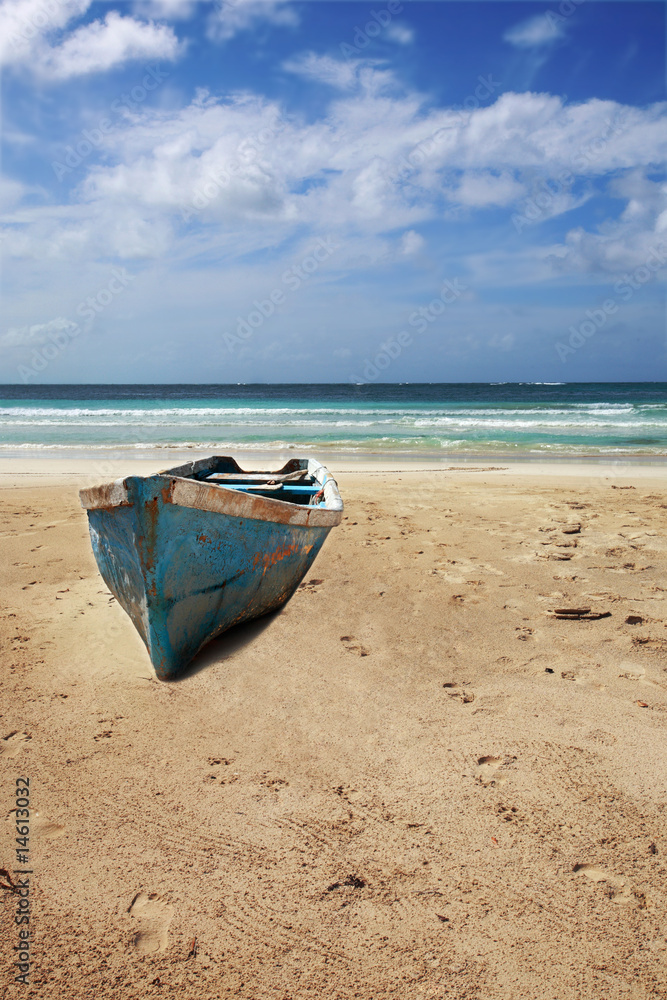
[{"x": 294, "y": 483}]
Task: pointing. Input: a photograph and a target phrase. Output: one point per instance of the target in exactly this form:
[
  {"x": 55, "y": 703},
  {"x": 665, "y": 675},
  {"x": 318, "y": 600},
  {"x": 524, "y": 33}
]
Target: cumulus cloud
[
  {"x": 638, "y": 235},
  {"x": 543, "y": 29},
  {"x": 541, "y": 130},
  {"x": 24, "y": 24},
  {"x": 484, "y": 189},
  {"x": 239, "y": 171},
  {"x": 607, "y": 254},
  {"x": 28, "y": 29},
  {"x": 98, "y": 46},
  {"x": 233, "y": 16}
]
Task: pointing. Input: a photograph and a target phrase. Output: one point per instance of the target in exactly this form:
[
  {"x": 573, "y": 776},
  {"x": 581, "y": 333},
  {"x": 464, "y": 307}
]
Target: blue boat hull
[{"x": 185, "y": 575}]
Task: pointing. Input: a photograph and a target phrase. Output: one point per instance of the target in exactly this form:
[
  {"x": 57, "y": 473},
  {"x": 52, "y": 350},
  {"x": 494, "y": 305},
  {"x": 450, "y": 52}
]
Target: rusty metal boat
[{"x": 193, "y": 550}]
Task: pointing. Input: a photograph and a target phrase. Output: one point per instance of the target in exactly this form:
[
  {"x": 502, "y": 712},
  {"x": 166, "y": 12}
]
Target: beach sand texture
[{"x": 416, "y": 781}]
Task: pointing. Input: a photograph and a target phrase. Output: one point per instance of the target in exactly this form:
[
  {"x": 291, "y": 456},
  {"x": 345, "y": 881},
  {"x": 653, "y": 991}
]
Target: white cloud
[
  {"x": 38, "y": 333},
  {"x": 539, "y": 130},
  {"x": 232, "y": 16},
  {"x": 11, "y": 193},
  {"x": 546, "y": 200},
  {"x": 365, "y": 76},
  {"x": 25, "y": 23},
  {"x": 237, "y": 173},
  {"x": 29, "y": 28},
  {"x": 608, "y": 254},
  {"x": 400, "y": 33},
  {"x": 483, "y": 189},
  {"x": 543, "y": 29},
  {"x": 626, "y": 243},
  {"x": 324, "y": 69},
  {"x": 98, "y": 46},
  {"x": 411, "y": 243}
]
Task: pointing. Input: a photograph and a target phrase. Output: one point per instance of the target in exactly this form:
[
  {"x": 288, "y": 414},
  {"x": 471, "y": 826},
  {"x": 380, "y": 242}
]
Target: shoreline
[
  {"x": 69, "y": 469},
  {"x": 175, "y": 453}
]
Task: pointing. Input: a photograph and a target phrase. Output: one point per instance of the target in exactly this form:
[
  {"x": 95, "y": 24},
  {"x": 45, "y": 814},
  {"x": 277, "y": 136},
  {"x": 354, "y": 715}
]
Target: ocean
[{"x": 595, "y": 421}]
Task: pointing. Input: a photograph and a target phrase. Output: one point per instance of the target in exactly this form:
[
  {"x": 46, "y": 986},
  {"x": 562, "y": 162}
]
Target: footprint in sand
[
  {"x": 352, "y": 646},
  {"x": 153, "y": 915},
  {"x": 508, "y": 813},
  {"x": 617, "y": 890},
  {"x": 275, "y": 784},
  {"x": 453, "y": 691},
  {"x": 12, "y": 744},
  {"x": 633, "y": 672},
  {"x": 43, "y": 828},
  {"x": 650, "y": 644},
  {"x": 350, "y": 795},
  {"x": 486, "y": 771}
]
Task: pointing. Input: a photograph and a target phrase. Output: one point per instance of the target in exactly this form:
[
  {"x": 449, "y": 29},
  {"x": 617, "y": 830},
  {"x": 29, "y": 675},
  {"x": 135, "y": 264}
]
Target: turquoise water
[{"x": 597, "y": 420}]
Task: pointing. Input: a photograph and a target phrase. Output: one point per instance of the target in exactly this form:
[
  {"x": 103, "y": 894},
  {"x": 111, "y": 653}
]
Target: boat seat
[
  {"x": 259, "y": 477},
  {"x": 262, "y": 487}
]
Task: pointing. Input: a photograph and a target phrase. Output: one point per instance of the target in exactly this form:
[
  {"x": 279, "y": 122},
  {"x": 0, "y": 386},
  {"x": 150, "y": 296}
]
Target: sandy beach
[{"x": 415, "y": 781}]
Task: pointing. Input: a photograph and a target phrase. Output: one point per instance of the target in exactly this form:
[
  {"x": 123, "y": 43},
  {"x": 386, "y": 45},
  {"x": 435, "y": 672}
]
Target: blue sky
[{"x": 255, "y": 191}]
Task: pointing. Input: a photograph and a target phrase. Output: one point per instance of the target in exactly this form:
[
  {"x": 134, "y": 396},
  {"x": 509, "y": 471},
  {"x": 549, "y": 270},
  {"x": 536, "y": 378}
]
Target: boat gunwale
[{"x": 184, "y": 491}]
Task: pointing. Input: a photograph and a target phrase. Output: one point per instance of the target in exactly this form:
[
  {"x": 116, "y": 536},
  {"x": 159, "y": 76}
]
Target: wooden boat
[{"x": 193, "y": 550}]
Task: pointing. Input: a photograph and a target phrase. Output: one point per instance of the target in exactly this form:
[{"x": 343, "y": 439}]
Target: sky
[{"x": 271, "y": 191}]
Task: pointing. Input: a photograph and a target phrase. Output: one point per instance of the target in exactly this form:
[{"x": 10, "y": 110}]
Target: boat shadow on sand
[{"x": 230, "y": 642}]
